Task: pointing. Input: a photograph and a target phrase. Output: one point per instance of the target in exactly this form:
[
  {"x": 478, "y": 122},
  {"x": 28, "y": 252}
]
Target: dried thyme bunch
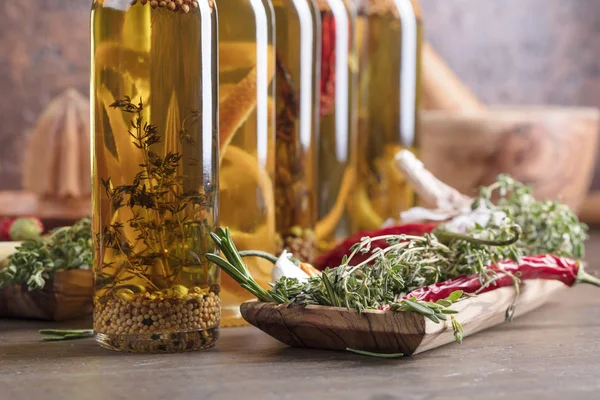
[
  {"x": 170, "y": 221},
  {"x": 36, "y": 261}
]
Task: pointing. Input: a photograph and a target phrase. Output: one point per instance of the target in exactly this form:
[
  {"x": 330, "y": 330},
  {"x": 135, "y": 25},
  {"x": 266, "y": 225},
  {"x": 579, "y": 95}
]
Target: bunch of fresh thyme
[
  {"x": 35, "y": 261},
  {"x": 548, "y": 226},
  {"x": 387, "y": 275},
  {"x": 409, "y": 262}
]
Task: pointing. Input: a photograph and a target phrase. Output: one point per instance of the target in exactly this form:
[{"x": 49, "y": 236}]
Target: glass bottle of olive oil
[
  {"x": 389, "y": 34},
  {"x": 155, "y": 189},
  {"x": 297, "y": 67},
  {"x": 247, "y": 131},
  {"x": 337, "y": 116}
]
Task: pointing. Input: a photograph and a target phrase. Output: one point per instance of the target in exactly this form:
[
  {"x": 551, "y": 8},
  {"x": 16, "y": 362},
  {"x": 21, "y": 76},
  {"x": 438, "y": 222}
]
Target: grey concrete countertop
[{"x": 552, "y": 353}]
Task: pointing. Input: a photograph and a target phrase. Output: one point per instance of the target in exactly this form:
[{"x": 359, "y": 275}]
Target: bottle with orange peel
[
  {"x": 247, "y": 138},
  {"x": 389, "y": 35}
]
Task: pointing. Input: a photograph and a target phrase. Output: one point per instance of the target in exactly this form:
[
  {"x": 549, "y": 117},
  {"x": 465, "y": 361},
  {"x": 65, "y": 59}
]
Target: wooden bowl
[
  {"x": 551, "y": 148},
  {"x": 67, "y": 295},
  {"x": 334, "y": 328}
]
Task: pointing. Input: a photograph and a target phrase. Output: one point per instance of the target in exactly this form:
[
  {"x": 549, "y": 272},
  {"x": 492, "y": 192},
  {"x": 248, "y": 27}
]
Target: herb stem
[
  {"x": 67, "y": 334},
  {"x": 376, "y": 355},
  {"x": 584, "y": 277},
  {"x": 149, "y": 176},
  {"x": 447, "y": 237},
  {"x": 134, "y": 269},
  {"x": 260, "y": 254}
]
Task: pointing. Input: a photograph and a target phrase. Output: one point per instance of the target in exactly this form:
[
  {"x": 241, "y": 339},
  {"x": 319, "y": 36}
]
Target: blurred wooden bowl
[
  {"x": 67, "y": 295},
  {"x": 551, "y": 148},
  {"x": 334, "y": 328}
]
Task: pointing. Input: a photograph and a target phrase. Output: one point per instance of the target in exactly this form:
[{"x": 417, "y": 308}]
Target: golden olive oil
[
  {"x": 247, "y": 115},
  {"x": 155, "y": 188},
  {"x": 297, "y": 69},
  {"x": 389, "y": 34},
  {"x": 337, "y": 115}
]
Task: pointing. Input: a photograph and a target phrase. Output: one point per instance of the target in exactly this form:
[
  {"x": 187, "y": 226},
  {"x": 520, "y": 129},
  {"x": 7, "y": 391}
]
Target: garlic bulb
[
  {"x": 445, "y": 201},
  {"x": 284, "y": 267}
]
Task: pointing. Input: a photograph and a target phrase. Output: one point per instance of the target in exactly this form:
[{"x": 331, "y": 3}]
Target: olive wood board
[
  {"x": 334, "y": 328},
  {"x": 67, "y": 295}
]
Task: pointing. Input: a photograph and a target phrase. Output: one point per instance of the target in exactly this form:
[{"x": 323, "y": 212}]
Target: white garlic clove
[
  {"x": 284, "y": 267},
  {"x": 481, "y": 216}
]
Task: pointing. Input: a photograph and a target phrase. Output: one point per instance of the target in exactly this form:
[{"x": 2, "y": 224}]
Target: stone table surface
[{"x": 552, "y": 353}]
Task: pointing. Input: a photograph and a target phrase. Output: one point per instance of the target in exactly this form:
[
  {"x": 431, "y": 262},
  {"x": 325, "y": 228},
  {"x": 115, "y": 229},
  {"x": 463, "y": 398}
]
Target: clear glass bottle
[
  {"x": 247, "y": 130},
  {"x": 390, "y": 35},
  {"x": 337, "y": 116},
  {"x": 155, "y": 185},
  {"x": 297, "y": 68}
]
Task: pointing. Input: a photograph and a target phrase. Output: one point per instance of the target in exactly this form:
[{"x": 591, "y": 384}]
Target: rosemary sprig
[{"x": 234, "y": 266}]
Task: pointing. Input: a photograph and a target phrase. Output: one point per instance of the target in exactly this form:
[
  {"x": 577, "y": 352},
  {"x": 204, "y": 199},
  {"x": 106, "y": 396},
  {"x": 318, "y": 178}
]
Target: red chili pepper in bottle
[
  {"x": 333, "y": 257},
  {"x": 568, "y": 271},
  {"x": 328, "y": 55}
]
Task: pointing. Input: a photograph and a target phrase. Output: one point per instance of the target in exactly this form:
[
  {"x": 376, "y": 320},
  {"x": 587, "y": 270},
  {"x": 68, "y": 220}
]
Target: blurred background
[{"x": 509, "y": 52}]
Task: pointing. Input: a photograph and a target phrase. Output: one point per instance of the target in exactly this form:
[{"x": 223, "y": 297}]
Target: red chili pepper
[
  {"x": 328, "y": 55},
  {"x": 333, "y": 258},
  {"x": 548, "y": 267}
]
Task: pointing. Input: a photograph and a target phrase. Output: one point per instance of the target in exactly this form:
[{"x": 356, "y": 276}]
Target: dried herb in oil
[
  {"x": 291, "y": 187},
  {"x": 170, "y": 221}
]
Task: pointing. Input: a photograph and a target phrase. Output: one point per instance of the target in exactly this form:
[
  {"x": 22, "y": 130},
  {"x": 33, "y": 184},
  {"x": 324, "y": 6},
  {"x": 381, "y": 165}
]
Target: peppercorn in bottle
[
  {"x": 247, "y": 131},
  {"x": 297, "y": 69},
  {"x": 155, "y": 188}
]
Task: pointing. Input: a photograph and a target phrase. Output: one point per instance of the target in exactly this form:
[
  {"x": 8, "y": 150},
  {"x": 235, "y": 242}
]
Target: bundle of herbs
[
  {"x": 35, "y": 261},
  {"x": 473, "y": 244}
]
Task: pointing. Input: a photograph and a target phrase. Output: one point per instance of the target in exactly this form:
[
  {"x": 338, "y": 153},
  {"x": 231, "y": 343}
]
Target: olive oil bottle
[
  {"x": 247, "y": 131},
  {"x": 155, "y": 185},
  {"x": 389, "y": 35},
  {"x": 337, "y": 118},
  {"x": 297, "y": 72}
]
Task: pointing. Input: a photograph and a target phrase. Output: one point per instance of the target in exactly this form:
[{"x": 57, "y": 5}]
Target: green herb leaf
[
  {"x": 36, "y": 261},
  {"x": 455, "y": 296}
]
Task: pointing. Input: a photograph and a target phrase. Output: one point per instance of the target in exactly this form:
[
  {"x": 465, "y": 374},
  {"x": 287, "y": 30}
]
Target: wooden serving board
[
  {"x": 67, "y": 295},
  {"x": 335, "y": 328}
]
